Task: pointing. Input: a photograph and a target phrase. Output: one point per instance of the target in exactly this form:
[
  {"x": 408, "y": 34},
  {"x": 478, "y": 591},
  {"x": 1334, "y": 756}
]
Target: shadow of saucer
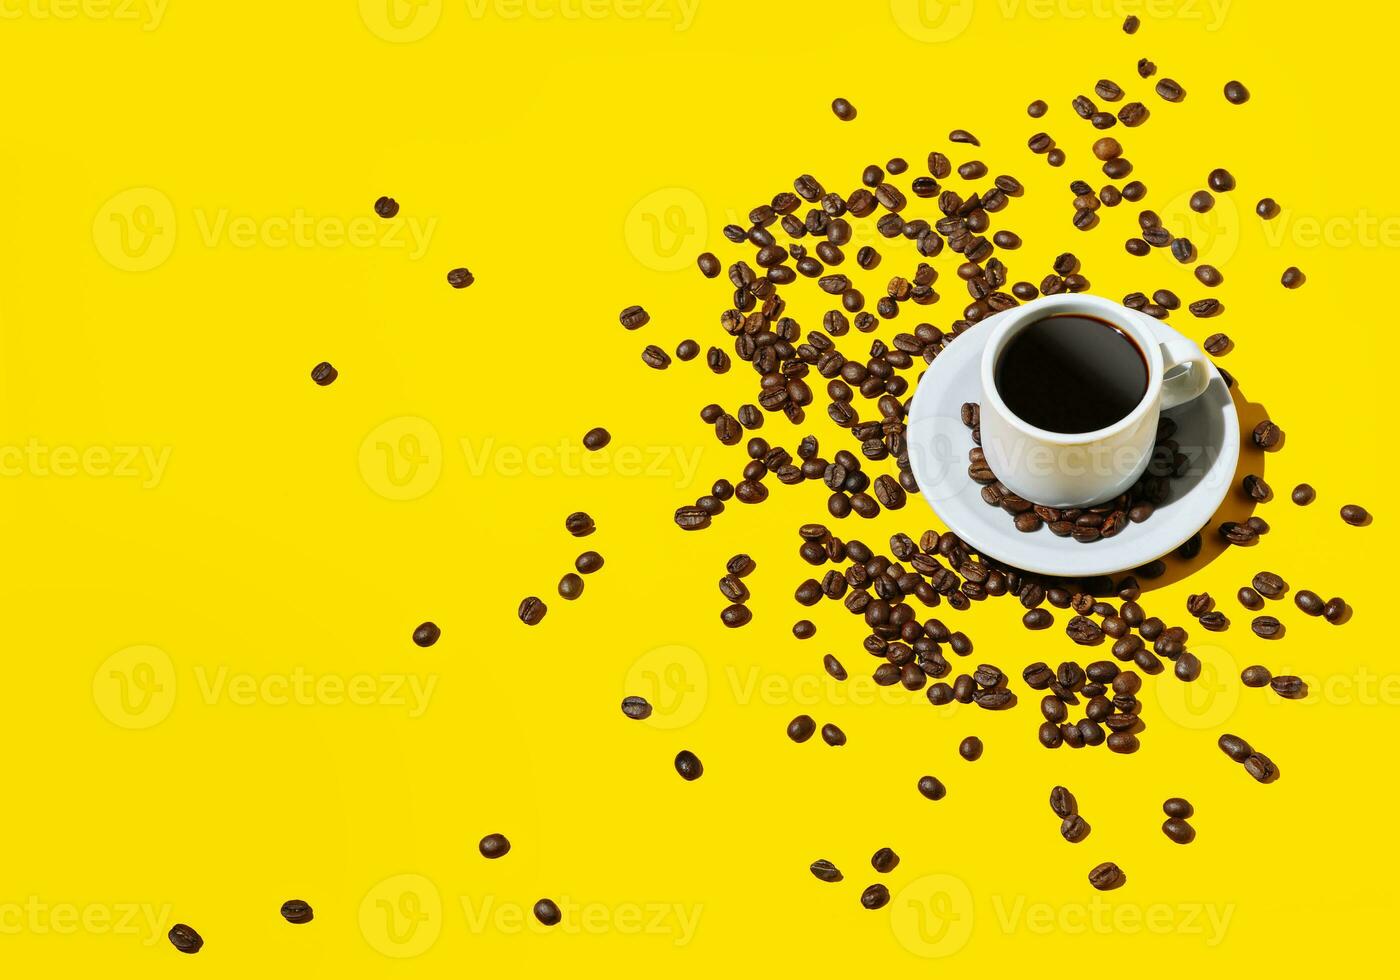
[{"x": 1237, "y": 506}]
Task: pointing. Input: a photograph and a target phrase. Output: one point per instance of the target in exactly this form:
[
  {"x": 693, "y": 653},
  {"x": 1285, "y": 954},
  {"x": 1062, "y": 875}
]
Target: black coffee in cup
[{"x": 1071, "y": 373}]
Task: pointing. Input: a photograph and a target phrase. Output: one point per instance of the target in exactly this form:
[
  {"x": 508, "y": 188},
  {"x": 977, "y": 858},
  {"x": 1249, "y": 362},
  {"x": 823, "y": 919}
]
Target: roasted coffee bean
[
  {"x": 1133, "y": 114},
  {"x": 1303, "y": 494},
  {"x": 1216, "y": 344},
  {"x": 386, "y": 207},
  {"x": 824, "y": 870},
  {"x": 833, "y": 667},
  {"x": 970, "y": 748},
  {"x": 962, "y": 136},
  {"x": 1063, "y": 803},
  {"x": 634, "y": 317},
  {"x": 1235, "y": 747},
  {"x": 570, "y": 586},
  {"x": 656, "y": 358},
  {"x": 426, "y": 634},
  {"x": 708, "y": 264},
  {"x": 531, "y": 610},
  {"x": 1269, "y": 585},
  {"x": 1356, "y": 515},
  {"x": 1056, "y": 157},
  {"x": 1199, "y": 604},
  {"x": 736, "y": 615},
  {"x": 1293, "y": 277},
  {"x": 1209, "y": 275},
  {"x": 1255, "y": 676},
  {"x": 1236, "y": 93},
  {"x": 1202, "y": 201},
  {"x": 1206, "y": 308},
  {"x": 1308, "y": 601},
  {"x": 460, "y": 278},
  {"x": 548, "y": 913},
  {"x": 1250, "y": 599},
  {"x": 804, "y": 629},
  {"x": 324, "y": 374},
  {"x": 1266, "y": 627},
  {"x": 1289, "y": 686},
  {"x": 1215, "y": 621},
  {"x": 875, "y": 897},
  {"x": 1123, "y": 743},
  {"x": 1084, "y": 631},
  {"x": 637, "y": 708},
  {"x": 1049, "y": 735},
  {"x": 1145, "y": 68},
  {"x": 1170, "y": 90},
  {"x": 740, "y": 565},
  {"x": 588, "y": 562},
  {"x": 844, "y": 110},
  {"x": 1074, "y": 828},
  {"x": 185, "y": 939},
  {"x": 1106, "y": 876},
  {"x": 1261, "y": 767},
  {"x": 832, "y": 735},
  {"x": 596, "y": 438},
  {"x": 1178, "y": 831},
  {"x": 297, "y": 912},
  {"x": 1335, "y": 610},
  {"x": 1179, "y": 808},
  {"x": 932, "y": 788},
  {"x": 687, "y": 350},
  {"x": 688, "y": 765},
  {"x": 1038, "y": 619},
  {"x": 1037, "y": 109},
  {"x": 801, "y": 728},
  {"x": 494, "y": 846}
]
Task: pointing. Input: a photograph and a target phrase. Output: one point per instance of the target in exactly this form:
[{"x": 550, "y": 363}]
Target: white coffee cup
[{"x": 1083, "y": 469}]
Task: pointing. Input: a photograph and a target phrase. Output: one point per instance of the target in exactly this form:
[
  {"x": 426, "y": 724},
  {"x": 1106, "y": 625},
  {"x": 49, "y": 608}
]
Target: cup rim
[{"x": 1088, "y": 304}]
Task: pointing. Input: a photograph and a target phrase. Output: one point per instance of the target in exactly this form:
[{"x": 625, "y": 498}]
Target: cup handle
[{"x": 1186, "y": 373}]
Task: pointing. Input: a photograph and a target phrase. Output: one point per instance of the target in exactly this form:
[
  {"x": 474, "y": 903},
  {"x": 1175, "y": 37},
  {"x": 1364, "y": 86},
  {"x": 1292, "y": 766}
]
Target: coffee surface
[{"x": 1071, "y": 373}]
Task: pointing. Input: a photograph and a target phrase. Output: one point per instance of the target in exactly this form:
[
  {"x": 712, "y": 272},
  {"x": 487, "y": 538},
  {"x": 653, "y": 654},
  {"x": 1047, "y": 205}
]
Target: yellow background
[{"x": 576, "y": 156}]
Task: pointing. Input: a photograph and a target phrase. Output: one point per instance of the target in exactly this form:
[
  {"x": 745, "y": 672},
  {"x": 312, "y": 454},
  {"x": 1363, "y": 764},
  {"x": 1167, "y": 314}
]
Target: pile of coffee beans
[
  {"x": 1084, "y": 524},
  {"x": 732, "y": 587}
]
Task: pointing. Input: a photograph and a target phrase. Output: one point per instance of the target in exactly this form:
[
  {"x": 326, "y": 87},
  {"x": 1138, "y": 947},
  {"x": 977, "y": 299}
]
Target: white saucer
[{"x": 1208, "y": 431}]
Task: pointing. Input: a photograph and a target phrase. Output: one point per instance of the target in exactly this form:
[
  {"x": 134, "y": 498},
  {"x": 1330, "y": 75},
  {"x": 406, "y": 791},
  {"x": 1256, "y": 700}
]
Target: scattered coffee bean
[
  {"x": 970, "y": 748},
  {"x": 570, "y": 586},
  {"x": 426, "y": 634},
  {"x": 1170, "y": 90},
  {"x": 185, "y": 939},
  {"x": 1236, "y": 93},
  {"x": 801, "y": 728},
  {"x": 595, "y": 439},
  {"x": 1074, "y": 828},
  {"x": 1178, "y": 831},
  {"x": 824, "y": 870},
  {"x": 1037, "y": 109},
  {"x": 1267, "y": 208},
  {"x": 588, "y": 562},
  {"x": 1179, "y": 808},
  {"x": 1303, "y": 494},
  {"x": 1261, "y": 767},
  {"x": 932, "y": 788},
  {"x": 1255, "y": 676},
  {"x": 324, "y": 374},
  {"x": 832, "y": 735},
  {"x": 636, "y": 707},
  {"x": 531, "y": 610},
  {"x": 1267, "y": 435},
  {"x": 386, "y": 207},
  {"x": 875, "y": 897},
  {"x": 297, "y": 912},
  {"x": 1308, "y": 601},
  {"x": 843, "y": 109},
  {"x": 688, "y": 765},
  {"x": 634, "y": 317},
  {"x": 1106, "y": 876},
  {"x": 460, "y": 278},
  {"x": 1266, "y": 627},
  {"x": 1293, "y": 277},
  {"x": 884, "y": 860},
  {"x": 547, "y": 912},
  {"x": 1289, "y": 686},
  {"x": 1356, "y": 515},
  {"x": 494, "y": 846}
]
